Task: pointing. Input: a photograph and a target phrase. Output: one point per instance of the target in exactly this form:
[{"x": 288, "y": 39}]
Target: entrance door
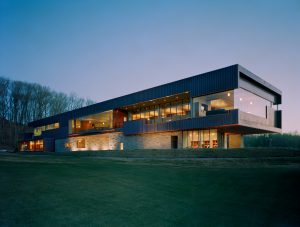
[{"x": 174, "y": 142}]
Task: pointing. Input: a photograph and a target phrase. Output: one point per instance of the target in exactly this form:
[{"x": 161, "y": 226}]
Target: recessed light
[
  {"x": 241, "y": 99},
  {"x": 228, "y": 94}
]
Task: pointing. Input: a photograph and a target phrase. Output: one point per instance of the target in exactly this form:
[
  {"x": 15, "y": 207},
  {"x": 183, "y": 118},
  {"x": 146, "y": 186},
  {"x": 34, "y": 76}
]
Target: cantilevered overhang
[
  {"x": 241, "y": 129},
  {"x": 257, "y": 85}
]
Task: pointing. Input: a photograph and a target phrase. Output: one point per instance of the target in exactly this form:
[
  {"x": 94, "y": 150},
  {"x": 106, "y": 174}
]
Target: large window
[
  {"x": 250, "y": 103},
  {"x": 38, "y": 131},
  {"x": 162, "y": 113},
  {"x": 99, "y": 121},
  {"x": 80, "y": 143},
  {"x": 233, "y": 99},
  {"x": 200, "y": 139},
  {"x": 35, "y": 145},
  {"x": 213, "y": 103}
]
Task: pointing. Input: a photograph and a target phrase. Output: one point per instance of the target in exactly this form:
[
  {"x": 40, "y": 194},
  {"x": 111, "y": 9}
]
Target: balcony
[
  {"x": 229, "y": 117},
  {"x": 94, "y": 130}
]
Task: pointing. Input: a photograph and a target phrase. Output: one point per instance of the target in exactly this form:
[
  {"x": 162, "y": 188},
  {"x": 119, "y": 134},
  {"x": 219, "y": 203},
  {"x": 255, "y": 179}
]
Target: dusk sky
[{"x": 105, "y": 49}]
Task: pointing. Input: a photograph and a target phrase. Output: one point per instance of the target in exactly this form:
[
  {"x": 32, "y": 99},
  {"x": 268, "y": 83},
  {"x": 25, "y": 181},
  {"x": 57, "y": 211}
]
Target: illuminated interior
[
  {"x": 233, "y": 99},
  {"x": 38, "y": 131},
  {"x": 251, "y": 103},
  {"x": 34, "y": 145},
  {"x": 165, "y": 109},
  {"x": 200, "y": 139},
  {"x": 213, "y": 103},
  {"x": 100, "y": 121},
  {"x": 80, "y": 143}
]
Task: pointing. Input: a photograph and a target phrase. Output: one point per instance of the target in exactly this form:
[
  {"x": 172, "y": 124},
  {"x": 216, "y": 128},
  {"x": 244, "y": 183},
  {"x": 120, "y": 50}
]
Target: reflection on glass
[
  {"x": 250, "y": 103},
  {"x": 213, "y": 103},
  {"x": 102, "y": 120},
  {"x": 162, "y": 113}
]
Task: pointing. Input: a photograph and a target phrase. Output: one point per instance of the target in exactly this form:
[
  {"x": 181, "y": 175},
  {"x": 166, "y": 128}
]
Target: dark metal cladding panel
[
  {"x": 49, "y": 145},
  {"x": 278, "y": 119},
  {"x": 206, "y": 83},
  {"x": 215, "y": 81},
  {"x": 59, "y": 133},
  {"x": 140, "y": 126}
]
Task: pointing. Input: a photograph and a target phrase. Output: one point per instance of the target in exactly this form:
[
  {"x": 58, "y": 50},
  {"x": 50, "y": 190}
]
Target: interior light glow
[
  {"x": 251, "y": 103},
  {"x": 241, "y": 99},
  {"x": 228, "y": 94}
]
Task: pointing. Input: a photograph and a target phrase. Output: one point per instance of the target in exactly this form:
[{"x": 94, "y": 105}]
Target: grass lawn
[{"x": 73, "y": 190}]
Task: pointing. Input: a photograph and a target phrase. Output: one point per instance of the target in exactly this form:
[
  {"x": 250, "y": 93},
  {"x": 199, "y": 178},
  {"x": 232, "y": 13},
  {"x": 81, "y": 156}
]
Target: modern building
[{"x": 211, "y": 110}]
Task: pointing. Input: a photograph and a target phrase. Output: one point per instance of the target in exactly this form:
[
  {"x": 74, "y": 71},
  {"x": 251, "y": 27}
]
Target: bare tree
[{"x": 22, "y": 102}]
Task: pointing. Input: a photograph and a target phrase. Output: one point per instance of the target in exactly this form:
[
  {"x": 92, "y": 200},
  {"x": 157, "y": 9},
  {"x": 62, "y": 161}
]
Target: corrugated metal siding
[
  {"x": 49, "y": 145},
  {"x": 140, "y": 126},
  {"x": 206, "y": 83}
]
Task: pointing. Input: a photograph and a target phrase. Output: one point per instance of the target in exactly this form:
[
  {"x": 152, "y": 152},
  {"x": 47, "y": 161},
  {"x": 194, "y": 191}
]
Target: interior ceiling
[
  {"x": 105, "y": 116},
  {"x": 166, "y": 99}
]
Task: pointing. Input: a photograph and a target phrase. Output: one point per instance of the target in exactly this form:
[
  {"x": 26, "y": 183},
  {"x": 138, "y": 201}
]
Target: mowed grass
[{"x": 75, "y": 191}]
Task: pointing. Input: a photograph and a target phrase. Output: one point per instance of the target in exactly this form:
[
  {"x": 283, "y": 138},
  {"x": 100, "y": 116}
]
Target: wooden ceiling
[{"x": 167, "y": 99}]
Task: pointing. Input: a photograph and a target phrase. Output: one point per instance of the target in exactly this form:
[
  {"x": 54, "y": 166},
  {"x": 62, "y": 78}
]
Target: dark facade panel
[
  {"x": 278, "y": 119},
  {"x": 59, "y": 133},
  {"x": 49, "y": 145}
]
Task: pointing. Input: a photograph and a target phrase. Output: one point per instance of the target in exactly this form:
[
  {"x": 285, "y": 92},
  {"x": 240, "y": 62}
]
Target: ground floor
[{"x": 210, "y": 138}]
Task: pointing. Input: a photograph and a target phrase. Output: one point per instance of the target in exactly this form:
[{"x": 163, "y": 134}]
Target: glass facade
[
  {"x": 251, "y": 103},
  {"x": 38, "y": 131},
  {"x": 99, "y": 121},
  {"x": 233, "y": 99},
  {"x": 213, "y": 103},
  {"x": 35, "y": 145},
  {"x": 200, "y": 139},
  {"x": 162, "y": 113}
]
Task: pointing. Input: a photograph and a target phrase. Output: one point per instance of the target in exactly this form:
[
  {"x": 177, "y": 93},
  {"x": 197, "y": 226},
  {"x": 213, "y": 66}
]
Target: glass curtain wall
[
  {"x": 251, "y": 103},
  {"x": 200, "y": 139},
  {"x": 213, "y": 103},
  {"x": 99, "y": 121},
  {"x": 163, "y": 112},
  {"x": 38, "y": 131}
]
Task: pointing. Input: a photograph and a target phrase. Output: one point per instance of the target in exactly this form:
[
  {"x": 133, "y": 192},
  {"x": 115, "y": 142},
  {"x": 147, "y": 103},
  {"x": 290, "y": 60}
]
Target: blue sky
[{"x": 105, "y": 49}]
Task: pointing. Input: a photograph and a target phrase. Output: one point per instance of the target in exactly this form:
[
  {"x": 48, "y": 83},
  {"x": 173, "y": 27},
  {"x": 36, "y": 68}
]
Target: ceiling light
[
  {"x": 228, "y": 94},
  {"x": 241, "y": 99}
]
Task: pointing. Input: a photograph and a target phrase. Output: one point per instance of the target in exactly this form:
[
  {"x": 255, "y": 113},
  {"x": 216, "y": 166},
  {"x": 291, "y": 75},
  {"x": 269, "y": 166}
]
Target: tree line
[
  {"x": 22, "y": 102},
  {"x": 286, "y": 140}
]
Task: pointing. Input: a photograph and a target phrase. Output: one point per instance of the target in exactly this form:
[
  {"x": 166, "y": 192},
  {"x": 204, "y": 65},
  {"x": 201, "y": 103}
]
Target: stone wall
[{"x": 112, "y": 141}]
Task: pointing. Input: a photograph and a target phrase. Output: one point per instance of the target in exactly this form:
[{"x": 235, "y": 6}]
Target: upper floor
[{"x": 232, "y": 92}]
